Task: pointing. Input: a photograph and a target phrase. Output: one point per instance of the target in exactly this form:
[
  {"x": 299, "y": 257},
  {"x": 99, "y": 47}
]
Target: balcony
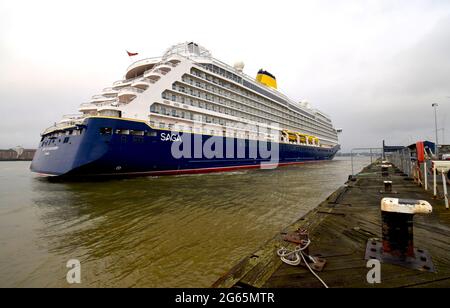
[
  {"x": 117, "y": 85},
  {"x": 137, "y": 68},
  {"x": 87, "y": 107},
  {"x": 153, "y": 74},
  {"x": 73, "y": 117},
  {"x": 127, "y": 94},
  {"x": 143, "y": 83},
  {"x": 109, "y": 91},
  {"x": 100, "y": 98}
]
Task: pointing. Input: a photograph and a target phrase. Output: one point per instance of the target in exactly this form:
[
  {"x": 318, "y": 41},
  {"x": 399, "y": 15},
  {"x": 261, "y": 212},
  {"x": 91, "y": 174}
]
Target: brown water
[{"x": 179, "y": 231}]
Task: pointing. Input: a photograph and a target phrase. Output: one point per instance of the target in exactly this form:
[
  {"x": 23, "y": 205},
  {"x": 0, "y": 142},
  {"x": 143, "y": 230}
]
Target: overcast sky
[{"x": 374, "y": 66}]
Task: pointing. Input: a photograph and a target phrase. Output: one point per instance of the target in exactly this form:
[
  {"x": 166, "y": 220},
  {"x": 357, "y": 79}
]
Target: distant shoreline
[{"x": 17, "y": 154}]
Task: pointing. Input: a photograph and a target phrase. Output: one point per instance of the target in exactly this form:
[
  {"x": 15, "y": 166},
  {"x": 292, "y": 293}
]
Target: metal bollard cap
[{"x": 405, "y": 206}]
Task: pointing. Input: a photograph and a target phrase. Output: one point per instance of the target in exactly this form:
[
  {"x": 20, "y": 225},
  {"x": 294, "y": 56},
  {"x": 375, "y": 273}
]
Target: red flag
[{"x": 130, "y": 54}]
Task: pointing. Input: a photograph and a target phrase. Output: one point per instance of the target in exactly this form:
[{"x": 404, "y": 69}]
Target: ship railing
[
  {"x": 144, "y": 79},
  {"x": 64, "y": 124},
  {"x": 131, "y": 89},
  {"x": 157, "y": 67},
  {"x": 113, "y": 104},
  {"x": 87, "y": 104},
  {"x": 144, "y": 61},
  {"x": 123, "y": 81},
  {"x": 109, "y": 89},
  {"x": 77, "y": 116}
]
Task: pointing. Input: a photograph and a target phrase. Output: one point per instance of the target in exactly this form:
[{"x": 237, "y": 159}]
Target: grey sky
[{"x": 374, "y": 66}]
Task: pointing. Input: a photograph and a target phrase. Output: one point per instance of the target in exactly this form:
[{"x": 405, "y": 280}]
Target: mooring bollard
[
  {"x": 388, "y": 186},
  {"x": 385, "y": 170},
  {"x": 397, "y": 244},
  {"x": 397, "y": 224}
]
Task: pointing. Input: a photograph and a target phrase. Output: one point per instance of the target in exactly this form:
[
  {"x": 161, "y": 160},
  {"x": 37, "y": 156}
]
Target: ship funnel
[{"x": 266, "y": 79}]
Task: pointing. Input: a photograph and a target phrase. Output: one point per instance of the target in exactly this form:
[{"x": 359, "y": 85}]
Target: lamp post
[{"x": 436, "y": 147}]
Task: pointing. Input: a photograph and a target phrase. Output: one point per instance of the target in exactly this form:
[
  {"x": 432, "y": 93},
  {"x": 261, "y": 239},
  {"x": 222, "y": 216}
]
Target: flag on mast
[{"x": 131, "y": 54}]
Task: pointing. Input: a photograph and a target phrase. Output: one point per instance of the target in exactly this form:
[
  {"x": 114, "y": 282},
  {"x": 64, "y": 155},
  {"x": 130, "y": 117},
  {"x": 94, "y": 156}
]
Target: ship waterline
[{"x": 132, "y": 127}]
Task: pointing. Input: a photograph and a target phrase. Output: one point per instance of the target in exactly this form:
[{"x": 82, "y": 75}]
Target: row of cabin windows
[
  {"x": 217, "y": 132},
  {"x": 263, "y": 110},
  {"x": 177, "y": 113},
  {"x": 274, "y": 109},
  {"x": 209, "y": 106},
  {"x": 220, "y": 71},
  {"x": 54, "y": 140},
  {"x": 255, "y": 109},
  {"x": 159, "y": 109},
  {"x": 72, "y": 132},
  {"x": 55, "y": 137},
  {"x": 110, "y": 131}
]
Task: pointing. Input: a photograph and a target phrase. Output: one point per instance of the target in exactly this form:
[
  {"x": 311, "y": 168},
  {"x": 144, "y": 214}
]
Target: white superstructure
[{"x": 188, "y": 90}]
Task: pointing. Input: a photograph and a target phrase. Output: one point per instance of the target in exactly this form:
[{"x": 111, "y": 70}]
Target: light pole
[{"x": 436, "y": 146}]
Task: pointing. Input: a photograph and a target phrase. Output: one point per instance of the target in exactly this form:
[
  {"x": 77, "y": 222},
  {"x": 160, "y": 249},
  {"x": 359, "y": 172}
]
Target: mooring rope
[{"x": 295, "y": 257}]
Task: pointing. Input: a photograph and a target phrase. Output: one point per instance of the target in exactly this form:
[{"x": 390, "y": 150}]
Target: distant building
[
  {"x": 444, "y": 149},
  {"x": 17, "y": 153}
]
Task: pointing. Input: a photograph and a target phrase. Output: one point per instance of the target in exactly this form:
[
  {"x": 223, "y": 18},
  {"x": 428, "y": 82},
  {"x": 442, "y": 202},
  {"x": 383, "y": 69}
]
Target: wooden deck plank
[{"x": 339, "y": 229}]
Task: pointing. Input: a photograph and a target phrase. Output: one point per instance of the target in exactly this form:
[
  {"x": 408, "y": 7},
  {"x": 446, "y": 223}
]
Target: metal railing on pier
[{"x": 374, "y": 153}]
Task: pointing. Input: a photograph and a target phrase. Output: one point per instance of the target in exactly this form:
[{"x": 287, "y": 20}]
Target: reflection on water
[{"x": 179, "y": 231}]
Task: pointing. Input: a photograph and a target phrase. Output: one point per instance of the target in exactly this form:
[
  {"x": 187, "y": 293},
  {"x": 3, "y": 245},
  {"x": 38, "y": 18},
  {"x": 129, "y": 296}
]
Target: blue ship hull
[{"x": 96, "y": 152}]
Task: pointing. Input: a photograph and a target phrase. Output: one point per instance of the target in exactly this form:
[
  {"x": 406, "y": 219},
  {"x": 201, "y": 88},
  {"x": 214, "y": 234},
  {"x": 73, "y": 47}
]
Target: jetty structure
[{"x": 388, "y": 226}]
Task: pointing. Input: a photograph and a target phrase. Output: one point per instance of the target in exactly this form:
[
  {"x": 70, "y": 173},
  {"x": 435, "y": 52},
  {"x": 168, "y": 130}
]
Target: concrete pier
[{"x": 340, "y": 229}]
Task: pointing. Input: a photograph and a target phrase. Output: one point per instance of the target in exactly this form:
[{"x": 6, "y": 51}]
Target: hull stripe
[{"x": 206, "y": 170}]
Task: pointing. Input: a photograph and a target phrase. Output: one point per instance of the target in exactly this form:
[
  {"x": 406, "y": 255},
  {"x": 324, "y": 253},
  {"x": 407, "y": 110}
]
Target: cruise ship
[{"x": 185, "y": 112}]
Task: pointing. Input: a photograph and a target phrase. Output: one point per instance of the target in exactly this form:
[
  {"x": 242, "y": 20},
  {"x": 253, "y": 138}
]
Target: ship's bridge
[{"x": 187, "y": 49}]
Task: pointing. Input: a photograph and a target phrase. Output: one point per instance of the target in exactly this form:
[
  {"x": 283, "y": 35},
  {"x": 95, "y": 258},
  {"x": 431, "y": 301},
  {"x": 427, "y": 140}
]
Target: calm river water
[{"x": 178, "y": 231}]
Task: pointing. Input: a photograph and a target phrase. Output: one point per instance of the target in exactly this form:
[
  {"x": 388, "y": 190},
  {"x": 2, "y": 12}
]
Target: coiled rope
[{"x": 295, "y": 257}]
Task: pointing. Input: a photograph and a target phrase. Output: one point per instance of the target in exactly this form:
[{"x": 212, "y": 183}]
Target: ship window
[
  {"x": 66, "y": 139},
  {"x": 106, "y": 131},
  {"x": 122, "y": 132},
  {"x": 150, "y": 134},
  {"x": 137, "y": 132},
  {"x": 161, "y": 125}
]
